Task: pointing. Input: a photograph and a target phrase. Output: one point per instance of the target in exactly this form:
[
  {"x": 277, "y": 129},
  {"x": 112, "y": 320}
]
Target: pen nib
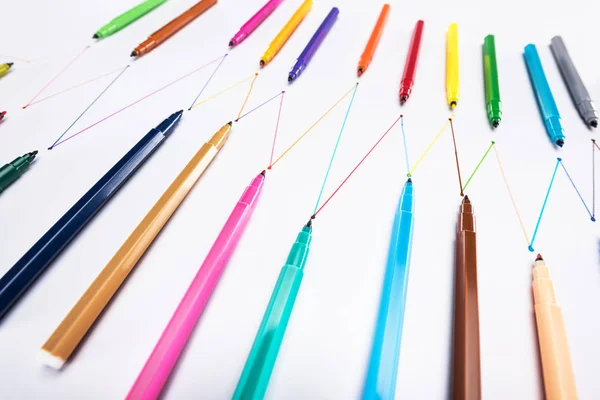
[
  {"x": 95, "y": 36},
  {"x": 539, "y": 257}
]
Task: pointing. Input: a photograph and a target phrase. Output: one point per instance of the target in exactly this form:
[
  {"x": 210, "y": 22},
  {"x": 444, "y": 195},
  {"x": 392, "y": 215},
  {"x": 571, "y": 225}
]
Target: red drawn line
[{"x": 355, "y": 168}]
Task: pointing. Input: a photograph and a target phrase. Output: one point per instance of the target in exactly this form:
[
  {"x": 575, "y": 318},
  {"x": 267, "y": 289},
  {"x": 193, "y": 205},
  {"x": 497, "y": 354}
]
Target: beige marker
[{"x": 559, "y": 380}]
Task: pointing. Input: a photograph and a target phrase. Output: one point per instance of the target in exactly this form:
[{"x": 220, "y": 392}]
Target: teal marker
[
  {"x": 14, "y": 169},
  {"x": 127, "y": 18},
  {"x": 261, "y": 360}
]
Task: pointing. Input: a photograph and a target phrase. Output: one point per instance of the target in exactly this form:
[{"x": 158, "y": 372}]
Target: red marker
[{"x": 410, "y": 68}]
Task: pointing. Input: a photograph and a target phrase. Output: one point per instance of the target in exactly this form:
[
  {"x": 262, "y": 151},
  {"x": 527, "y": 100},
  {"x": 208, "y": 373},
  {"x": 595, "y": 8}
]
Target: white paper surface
[{"x": 327, "y": 344}]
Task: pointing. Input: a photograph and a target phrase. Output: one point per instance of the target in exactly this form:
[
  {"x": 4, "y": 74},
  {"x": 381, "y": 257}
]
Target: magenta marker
[
  {"x": 254, "y": 22},
  {"x": 151, "y": 380}
]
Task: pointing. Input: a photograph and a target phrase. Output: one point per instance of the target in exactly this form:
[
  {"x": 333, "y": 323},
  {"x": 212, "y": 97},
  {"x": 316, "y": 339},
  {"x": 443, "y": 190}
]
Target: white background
[{"x": 327, "y": 344}]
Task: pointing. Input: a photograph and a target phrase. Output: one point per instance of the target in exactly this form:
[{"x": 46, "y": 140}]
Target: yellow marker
[
  {"x": 286, "y": 32},
  {"x": 452, "y": 76},
  {"x": 82, "y": 316},
  {"x": 4, "y": 69}
]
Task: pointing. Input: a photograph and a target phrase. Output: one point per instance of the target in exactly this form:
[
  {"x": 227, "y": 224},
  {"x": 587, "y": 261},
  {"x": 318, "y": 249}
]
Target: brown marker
[
  {"x": 466, "y": 370},
  {"x": 155, "y": 39}
]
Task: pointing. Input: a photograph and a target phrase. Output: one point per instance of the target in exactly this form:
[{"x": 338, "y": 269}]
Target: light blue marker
[
  {"x": 380, "y": 383},
  {"x": 545, "y": 100}
]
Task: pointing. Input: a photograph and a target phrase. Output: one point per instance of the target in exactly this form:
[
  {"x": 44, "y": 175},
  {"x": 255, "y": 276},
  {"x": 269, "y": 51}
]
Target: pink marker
[
  {"x": 254, "y": 22},
  {"x": 151, "y": 380}
]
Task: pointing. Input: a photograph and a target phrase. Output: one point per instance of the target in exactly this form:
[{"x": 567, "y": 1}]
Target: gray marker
[{"x": 577, "y": 89}]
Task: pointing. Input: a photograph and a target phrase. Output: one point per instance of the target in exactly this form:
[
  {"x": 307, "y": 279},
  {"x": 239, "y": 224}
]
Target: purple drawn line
[
  {"x": 209, "y": 78},
  {"x": 135, "y": 102},
  {"x": 259, "y": 106}
]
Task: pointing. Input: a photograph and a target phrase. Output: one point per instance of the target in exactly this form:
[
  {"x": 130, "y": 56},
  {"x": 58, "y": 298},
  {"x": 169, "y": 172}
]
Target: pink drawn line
[
  {"x": 137, "y": 101},
  {"x": 57, "y": 75},
  {"x": 76, "y": 86},
  {"x": 276, "y": 128}
]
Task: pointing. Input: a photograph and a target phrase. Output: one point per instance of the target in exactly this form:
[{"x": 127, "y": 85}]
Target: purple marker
[{"x": 313, "y": 45}]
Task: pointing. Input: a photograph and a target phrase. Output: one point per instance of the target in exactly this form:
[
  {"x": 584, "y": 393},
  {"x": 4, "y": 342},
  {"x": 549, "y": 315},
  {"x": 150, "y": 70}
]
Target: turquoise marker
[
  {"x": 380, "y": 383},
  {"x": 261, "y": 360}
]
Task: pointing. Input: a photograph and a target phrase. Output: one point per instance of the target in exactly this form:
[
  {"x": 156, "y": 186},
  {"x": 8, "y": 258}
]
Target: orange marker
[
  {"x": 367, "y": 55},
  {"x": 559, "y": 380}
]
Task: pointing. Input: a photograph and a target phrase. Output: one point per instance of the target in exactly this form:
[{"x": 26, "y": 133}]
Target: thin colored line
[
  {"x": 335, "y": 148},
  {"x": 514, "y": 204},
  {"x": 405, "y": 146},
  {"x": 310, "y": 128},
  {"x": 15, "y": 58},
  {"x": 356, "y": 167},
  {"x": 223, "y": 91},
  {"x": 596, "y": 144},
  {"x": 577, "y": 190},
  {"x": 88, "y": 107},
  {"x": 593, "y": 179},
  {"x": 75, "y": 86},
  {"x": 456, "y": 156},
  {"x": 537, "y": 225},
  {"x": 429, "y": 148},
  {"x": 260, "y": 105},
  {"x": 276, "y": 127},
  {"x": 57, "y": 75},
  {"x": 247, "y": 96},
  {"x": 479, "y": 164},
  {"x": 135, "y": 102},
  {"x": 209, "y": 78}
]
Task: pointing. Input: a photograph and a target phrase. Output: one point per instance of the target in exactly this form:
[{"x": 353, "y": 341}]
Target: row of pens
[
  {"x": 381, "y": 374},
  {"x": 549, "y": 111}
]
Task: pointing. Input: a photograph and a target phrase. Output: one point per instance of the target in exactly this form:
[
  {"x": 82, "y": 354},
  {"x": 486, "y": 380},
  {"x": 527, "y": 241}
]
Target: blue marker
[
  {"x": 544, "y": 96},
  {"x": 380, "y": 383}
]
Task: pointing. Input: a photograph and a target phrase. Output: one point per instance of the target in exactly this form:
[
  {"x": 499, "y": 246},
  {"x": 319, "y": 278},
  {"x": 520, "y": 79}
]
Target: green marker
[
  {"x": 13, "y": 170},
  {"x": 492, "y": 88},
  {"x": 127, "y": 18},
  {"x": 261, "y": 360}
]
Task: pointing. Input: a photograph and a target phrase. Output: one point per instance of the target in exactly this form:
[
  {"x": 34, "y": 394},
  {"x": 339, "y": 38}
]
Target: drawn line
[
  {"x": 537, "y": 225},
  {"x": 356, "y": 167},
  {"x": 512, "y": 199},
  {"x": 456, "y": 156},
  {"x": 135, "y": 102},
  {"x": 335, "y": 148},
  {"x": 209, "y": 78},
  {"x": 479, "y": 164},
  {"x": 596, "y": 144},
  {"x": 577, "y": 190},
  {"x": 405, "y": 146},
  {"x": 88, "y": 107},
  {"x": 247, "y": 96},
  {"x": 593, "y": 179},
  {"x": 310, "y": 128},
  {"x": 75, "y": 86},
  {"x": 15, "y": 58},
  {"x": 429, "y": 147},
  {"x": 276, "y": 127},
  {"x": 57, "y": 75},
  {"x": 223, "y": 91},
  {"x": 260, "y": 105}
]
